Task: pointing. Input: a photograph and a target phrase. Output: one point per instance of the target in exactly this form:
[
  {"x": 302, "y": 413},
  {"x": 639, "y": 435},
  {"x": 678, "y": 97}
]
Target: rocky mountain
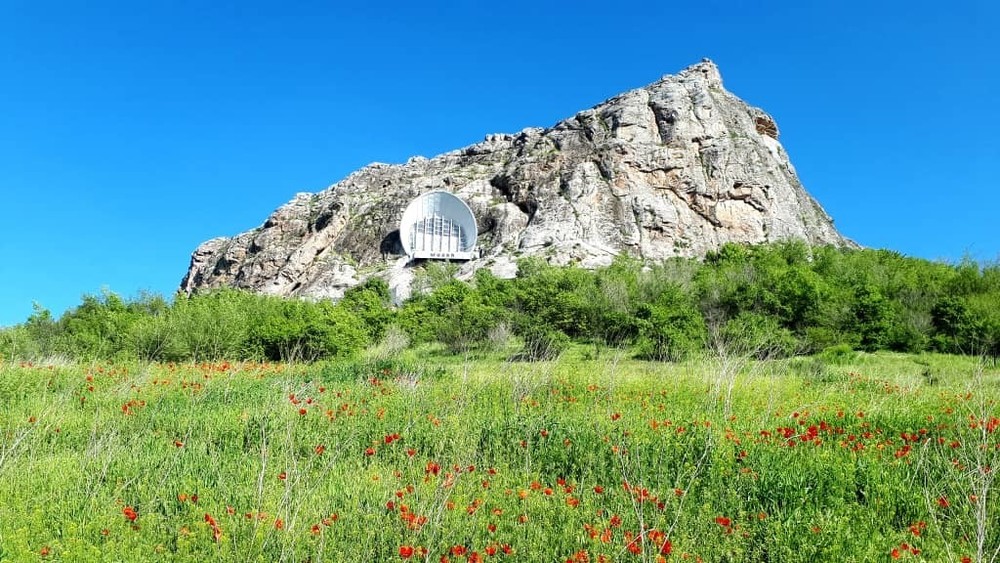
[{"x": 676, "y": 168}]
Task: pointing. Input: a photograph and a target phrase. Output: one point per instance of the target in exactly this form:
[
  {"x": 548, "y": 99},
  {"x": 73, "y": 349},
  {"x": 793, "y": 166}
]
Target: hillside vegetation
[
  {"x": 778, "y": 300},
  {"x": 870, "y": 458},
  {"x": 773, "y": 403}
]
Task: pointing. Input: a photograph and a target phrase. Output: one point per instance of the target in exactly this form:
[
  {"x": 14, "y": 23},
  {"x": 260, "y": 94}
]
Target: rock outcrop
[{"x": 676, "y": 168}]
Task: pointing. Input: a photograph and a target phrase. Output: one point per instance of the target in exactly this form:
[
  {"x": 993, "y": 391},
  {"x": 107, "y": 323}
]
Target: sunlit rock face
[{"x": 676, "y": 168}]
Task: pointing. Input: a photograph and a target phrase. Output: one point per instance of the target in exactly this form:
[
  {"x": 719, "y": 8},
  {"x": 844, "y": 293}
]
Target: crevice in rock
[
  {"x": 528, "y": 207},
  {"x": 766, "y": 126},
  {"x": 604, "y": 170},
  {"x": 391, "y": 244},
  {"x": 665, "y": 119},
  {"x": 505, "y": 185},
  {"x": 323, "y": 221}
]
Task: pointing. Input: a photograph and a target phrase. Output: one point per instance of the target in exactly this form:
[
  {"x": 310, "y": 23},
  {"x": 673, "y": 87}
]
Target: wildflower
[
  {"x": 659, "y": 539},
  {"x": 130, "y": 513},
  {"x": 405, "y": 551},
  {"x": 632, "y": 543},
  {"x": 216, "y": 530}
]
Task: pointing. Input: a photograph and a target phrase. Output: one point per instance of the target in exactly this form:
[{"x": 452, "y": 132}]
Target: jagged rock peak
[{"x": 676, "y": 168}]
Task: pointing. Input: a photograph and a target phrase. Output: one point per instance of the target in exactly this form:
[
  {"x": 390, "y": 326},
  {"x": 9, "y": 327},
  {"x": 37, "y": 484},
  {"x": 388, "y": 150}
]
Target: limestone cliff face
[{"x": 676, "y": 168}]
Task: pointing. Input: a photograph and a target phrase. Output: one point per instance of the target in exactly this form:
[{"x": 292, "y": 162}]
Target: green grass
[{"x": 798, "y": 460}]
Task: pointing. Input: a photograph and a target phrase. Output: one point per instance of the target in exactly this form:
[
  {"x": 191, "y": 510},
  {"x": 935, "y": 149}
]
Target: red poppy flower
[
  {"x": 632, "y": 544},
  {"x": 405, "y": 551},
  {"x": 130, "y": 513},
  {"x": 216, "y": 530}
]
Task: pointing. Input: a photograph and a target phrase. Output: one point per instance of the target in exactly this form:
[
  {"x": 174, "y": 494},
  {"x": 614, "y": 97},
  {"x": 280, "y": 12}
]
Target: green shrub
[
  {"x": 758, "y": 336},
  {"x": 542, "y": 343},
  {"x": 294, "y": 330},
  {"x": 671, "y": 328},
  {"x": 385, "y": 369},
  {"x": 838, "y": 355}
]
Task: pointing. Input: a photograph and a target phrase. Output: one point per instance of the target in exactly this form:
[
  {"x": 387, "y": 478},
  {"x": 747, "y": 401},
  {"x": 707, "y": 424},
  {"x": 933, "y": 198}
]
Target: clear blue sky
[{"x": 132, "y": 131}]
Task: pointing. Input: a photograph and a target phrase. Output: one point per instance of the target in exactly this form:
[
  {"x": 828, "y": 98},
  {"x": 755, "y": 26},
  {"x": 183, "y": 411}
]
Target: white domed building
[{"x": 439, "y": 225}]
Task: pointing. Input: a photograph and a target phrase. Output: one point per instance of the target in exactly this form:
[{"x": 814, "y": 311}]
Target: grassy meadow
[{"x": 429, "y": 457}]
